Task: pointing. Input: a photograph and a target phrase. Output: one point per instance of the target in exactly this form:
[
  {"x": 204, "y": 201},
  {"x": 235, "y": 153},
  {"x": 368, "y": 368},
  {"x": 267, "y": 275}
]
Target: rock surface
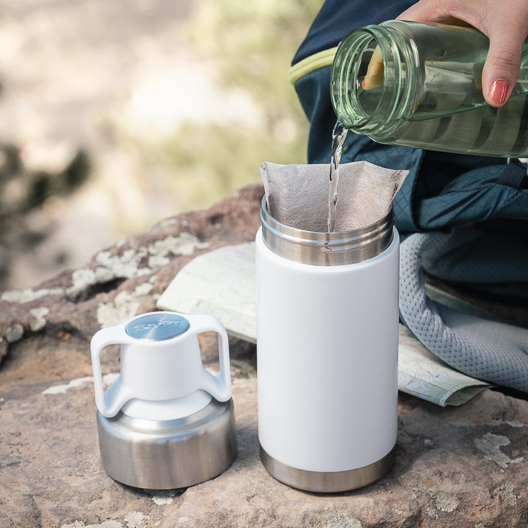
[{"x": 459, "y": 467}]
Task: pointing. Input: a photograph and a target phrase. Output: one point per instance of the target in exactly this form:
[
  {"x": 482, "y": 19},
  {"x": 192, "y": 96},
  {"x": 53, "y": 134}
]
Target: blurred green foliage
[{"x": 253, "y": 44}]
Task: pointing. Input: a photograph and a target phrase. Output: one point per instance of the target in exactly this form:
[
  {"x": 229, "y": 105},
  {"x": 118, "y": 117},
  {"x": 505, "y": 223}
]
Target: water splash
[{"x": 338, "y": 138}]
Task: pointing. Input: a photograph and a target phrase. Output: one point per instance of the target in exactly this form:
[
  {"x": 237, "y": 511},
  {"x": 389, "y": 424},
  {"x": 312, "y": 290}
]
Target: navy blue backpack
[{"x": 464, "y": 219}]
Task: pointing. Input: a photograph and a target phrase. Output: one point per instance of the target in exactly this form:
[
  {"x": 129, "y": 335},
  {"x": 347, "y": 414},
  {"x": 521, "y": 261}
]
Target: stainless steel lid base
[
  {"x": 169, "y": 454},
  {"x": 332, "y": 482}
]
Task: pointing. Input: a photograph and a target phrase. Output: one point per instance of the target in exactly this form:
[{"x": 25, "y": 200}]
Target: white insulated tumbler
[{"x": 327, "y": 353}]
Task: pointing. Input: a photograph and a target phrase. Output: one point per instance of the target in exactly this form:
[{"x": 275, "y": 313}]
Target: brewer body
[{"x": 327, "y": 365}]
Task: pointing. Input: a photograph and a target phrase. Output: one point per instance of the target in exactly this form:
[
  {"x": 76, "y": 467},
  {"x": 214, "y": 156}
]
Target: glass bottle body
[{"x": 419, "y": 85}]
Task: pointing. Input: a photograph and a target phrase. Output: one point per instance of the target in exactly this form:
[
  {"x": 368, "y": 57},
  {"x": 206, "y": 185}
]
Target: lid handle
[
  {"x": 110, "y": 402},
  {"x": 217, "y": 386}
]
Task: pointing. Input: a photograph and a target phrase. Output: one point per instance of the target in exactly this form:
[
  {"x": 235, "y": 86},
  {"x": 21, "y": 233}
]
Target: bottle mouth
[
  {"x": 368, "y": 79},
  {"x": 326, "y": 249}
]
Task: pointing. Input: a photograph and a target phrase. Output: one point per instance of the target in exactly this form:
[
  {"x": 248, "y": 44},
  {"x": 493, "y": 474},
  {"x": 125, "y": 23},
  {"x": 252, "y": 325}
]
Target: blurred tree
[
  {"x": 22, "y": 192},
  {"x": 243, "y": 52}
]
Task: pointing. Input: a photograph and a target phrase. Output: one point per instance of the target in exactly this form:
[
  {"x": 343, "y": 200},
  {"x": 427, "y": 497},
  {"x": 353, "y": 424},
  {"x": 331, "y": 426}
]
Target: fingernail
[
  {"x": 498, "y": 91},
  {"x": 363, "y": 84}
]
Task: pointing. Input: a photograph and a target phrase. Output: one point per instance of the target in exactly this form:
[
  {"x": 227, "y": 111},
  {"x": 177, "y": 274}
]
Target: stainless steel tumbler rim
[
  {"x": 328, "y": 482},
  {"x": 326, "y": 249}
]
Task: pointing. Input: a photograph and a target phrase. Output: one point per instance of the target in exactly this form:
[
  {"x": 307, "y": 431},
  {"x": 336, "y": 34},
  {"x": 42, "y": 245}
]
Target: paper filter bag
[{"x": 297, "y": 195}]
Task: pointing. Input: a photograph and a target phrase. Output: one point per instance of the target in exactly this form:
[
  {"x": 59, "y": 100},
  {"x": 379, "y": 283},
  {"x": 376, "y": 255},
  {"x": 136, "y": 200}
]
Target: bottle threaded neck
[{"x": 371, "y": 79}]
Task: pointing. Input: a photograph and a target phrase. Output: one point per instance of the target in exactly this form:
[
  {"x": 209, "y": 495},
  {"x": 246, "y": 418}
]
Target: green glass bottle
[{"x": 419, "y": 85}]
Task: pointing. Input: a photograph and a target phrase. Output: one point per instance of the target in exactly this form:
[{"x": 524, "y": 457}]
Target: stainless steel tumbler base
[
  {"x": 169, "y": 454},
  {"x": 332, "y": 482}
]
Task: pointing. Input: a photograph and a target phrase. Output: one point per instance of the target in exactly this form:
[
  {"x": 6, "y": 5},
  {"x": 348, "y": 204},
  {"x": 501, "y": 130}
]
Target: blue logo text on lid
[{"x": 157, "y": 327}]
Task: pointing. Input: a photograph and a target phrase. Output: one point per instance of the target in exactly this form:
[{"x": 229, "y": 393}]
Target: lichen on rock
[
  {"x": 29, "y": 295},
  {"x": 185, "y": 244},
  {"x": 38, "y": 321},
  {"x": 14, "y": 333},
  {"x": 490, "y": 445},
  {"x": 123, "y": 307},
  {"x": 446, "y": 502}
]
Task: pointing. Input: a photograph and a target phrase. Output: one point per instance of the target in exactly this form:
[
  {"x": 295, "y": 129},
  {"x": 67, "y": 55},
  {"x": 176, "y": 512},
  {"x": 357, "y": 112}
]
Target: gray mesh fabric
[{"x": 489, "y": 350}]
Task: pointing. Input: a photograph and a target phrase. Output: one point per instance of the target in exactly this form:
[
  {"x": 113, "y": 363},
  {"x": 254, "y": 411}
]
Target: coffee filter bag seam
[{"x": 297, "y": 195}]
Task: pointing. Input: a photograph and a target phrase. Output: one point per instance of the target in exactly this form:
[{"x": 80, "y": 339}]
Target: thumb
[{"x": 502, "y": 66}]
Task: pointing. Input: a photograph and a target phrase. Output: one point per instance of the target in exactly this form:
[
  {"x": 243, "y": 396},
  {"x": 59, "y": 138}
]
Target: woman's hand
[{"x": 504, "y": 22}]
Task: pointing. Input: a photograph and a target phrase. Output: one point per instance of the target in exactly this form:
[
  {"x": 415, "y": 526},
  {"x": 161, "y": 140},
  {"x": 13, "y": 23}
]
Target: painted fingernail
[{"x": 498, "y": 91}]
